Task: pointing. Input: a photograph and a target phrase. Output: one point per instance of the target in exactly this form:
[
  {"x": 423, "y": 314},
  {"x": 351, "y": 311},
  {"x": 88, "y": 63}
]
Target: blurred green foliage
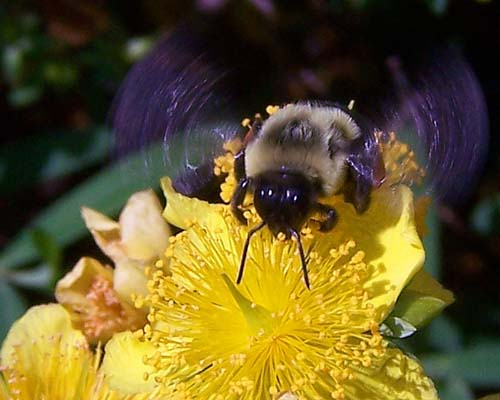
[{"x": 61, "y": 63}]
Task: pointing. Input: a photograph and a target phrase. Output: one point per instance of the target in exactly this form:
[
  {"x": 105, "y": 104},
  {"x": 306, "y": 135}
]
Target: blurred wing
[
  {"x": 445, "y": 106},
  {"x": 175, "y": 96}
]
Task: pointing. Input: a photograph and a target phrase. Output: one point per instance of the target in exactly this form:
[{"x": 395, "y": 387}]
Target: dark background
[{"x": 62, "y": 62}]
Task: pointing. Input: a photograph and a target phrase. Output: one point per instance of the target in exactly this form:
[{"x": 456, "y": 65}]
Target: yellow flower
[
  {"x": 271, "y": 337},
  {"x": 270, "y": 334},
  {"x": 101, "y": 299},
  {"x": 44, "y": 357}
]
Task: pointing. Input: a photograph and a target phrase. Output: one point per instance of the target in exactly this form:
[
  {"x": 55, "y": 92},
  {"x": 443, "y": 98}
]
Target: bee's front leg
[
  {"x": 242, "y": 188},
  {"x": 239, "y": 166},
  {"x": 331, "y": 217},
  {"x": 238, "y": 198}
]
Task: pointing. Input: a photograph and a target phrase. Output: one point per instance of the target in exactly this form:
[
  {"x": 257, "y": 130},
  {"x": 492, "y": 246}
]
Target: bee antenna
[
  {"x": 296, "y": 235},
  {"x": 245, "y": 250}
]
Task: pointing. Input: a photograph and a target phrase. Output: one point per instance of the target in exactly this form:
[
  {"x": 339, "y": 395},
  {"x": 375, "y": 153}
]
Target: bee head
[{"x": 283, "y": 200}]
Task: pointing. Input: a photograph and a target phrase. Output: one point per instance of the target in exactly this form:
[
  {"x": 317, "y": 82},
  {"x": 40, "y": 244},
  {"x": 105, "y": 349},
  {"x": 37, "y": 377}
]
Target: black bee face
[{"x": 283, "y": 200}]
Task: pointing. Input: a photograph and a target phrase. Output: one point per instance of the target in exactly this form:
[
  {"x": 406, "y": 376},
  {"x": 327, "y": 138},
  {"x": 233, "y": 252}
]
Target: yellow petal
[
  {"x": 181, "y": 210},
  {"x": 139, "y": 239},
  {"x": 387, "y": 235},
  {"x": 94, "y": 220},
  {"x": 43, "y": 357},
  {"x": 43, "y": 321},
  {"x": 105, "y": 231},
  {"x": 399, "y": 377},
  {"x": 129, "y": 280},
  {"x": 123, "y": 365},
  {"x": 144, "y": 232},
  {"x": 74, "y": 286}
]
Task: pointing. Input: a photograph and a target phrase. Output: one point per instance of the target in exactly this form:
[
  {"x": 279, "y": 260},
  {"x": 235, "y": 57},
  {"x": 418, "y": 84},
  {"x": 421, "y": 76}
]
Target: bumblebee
[
  {"x": 305, "y": 150},
  {"x": 301, "y": 153}
]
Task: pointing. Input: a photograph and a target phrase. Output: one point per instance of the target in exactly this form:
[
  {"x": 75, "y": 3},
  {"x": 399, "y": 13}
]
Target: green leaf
[
  {"x": 432, "y": 242},
  {"x": 455, "y": 388},
  {"x": 422, "y": 300},
  {"x": 12, "y": 62},
  {"x": 25, "y": 96},
  {"x": 47, "y": 247},
  {"x": 438, "y": 7},
  {"x": 51, "y": 155},
  {"x": 60, "y": 74},
  {"x": 49, "y": 251},
  {"x": 397, "y": 328},
  {"x": 444, "y": 335},
  {"x": 38, "y": 278},
  {"x": 12, "y": 306},
  {"x": 107, "y": 192},
  {"x": 485, "y": 217},
  {"x": 479, "y": 365}
]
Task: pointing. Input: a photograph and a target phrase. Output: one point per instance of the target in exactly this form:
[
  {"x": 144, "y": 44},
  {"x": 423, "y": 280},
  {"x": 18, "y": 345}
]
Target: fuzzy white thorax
[{"x": 272, "y": 150}]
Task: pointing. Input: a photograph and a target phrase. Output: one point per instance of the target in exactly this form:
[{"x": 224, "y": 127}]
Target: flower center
[{"x": 212, "y": 335}]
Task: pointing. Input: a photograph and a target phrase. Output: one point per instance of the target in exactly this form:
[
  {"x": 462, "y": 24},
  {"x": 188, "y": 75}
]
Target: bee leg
[
  {"x": 361, "y": 198},
  {"x": 331, "y": 217},
  {"x": 239, "y": 166},
  {"x": 357, "y": 190},
  {"x": 238, "y": 198}
]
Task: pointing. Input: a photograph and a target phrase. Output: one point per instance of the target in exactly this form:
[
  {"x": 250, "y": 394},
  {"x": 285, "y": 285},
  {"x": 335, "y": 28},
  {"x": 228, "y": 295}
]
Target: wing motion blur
[
  {"x": 445, "y": 107},
  {"x": 175, "y": 96},
  {"x": 178, "y": 97}
]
